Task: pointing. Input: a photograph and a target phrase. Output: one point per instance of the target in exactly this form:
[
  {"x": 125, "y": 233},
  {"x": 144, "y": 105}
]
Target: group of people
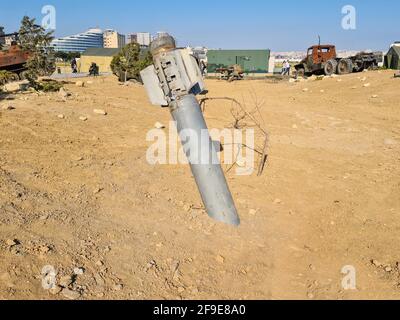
[
  {"x": 93, "y": 70},
  {"x": 286, "y": 68}
]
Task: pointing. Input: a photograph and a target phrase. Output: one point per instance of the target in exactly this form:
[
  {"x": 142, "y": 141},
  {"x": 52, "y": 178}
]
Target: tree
[
  {"x": 128, "y": 63},
  {"x": 34, "y": 39},
  {"x": 61, "y": 55},
  {"x": 73, "y": 55},
  {"x": 66, "y": 56}
]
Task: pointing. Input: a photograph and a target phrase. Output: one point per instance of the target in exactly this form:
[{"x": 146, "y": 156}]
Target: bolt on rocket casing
[{"x": 173, "y": 81}]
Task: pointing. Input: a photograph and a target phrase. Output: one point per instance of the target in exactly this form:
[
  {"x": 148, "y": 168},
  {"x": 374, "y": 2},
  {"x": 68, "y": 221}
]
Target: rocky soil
[{"x": 78, "y": 196}]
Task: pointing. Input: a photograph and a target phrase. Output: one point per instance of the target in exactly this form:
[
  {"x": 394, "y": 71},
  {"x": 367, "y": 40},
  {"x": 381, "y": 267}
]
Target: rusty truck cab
[{"x": 321, "y": 53}]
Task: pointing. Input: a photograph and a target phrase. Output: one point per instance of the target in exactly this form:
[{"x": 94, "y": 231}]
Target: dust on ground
[{"x": 80, "y": 196}]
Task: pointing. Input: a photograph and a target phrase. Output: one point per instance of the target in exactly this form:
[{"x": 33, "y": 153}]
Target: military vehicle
[
  {"x": 231, "y": 73},
  {"x": 323, "y": 59},
  {"x": 13, "y": 60}
]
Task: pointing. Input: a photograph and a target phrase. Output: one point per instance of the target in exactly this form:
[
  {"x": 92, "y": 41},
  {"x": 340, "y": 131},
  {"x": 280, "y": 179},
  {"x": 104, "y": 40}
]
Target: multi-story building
[
  {"x": 93, "y": 38},
  {"x": 112, "y": 39},
  {"x": 143, "y": 38},
  {"x": 132, "y": 38},
  {"x": 2, "y": 39}
]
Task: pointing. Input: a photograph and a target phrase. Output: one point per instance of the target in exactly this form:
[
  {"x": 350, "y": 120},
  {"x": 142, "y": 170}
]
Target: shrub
[{"x": 128, "y": 63}]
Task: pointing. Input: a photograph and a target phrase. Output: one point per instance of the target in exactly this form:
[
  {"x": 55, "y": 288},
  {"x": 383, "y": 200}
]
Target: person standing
[
  {"x": 284, "y": 68},
  {"x": 288, "y": 67},
  {"x": 74, "y": 66}
]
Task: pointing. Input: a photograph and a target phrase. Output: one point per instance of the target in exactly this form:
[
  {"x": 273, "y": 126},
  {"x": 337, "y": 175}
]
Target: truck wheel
[
  {"x": 23, "y": 75},
  {"x": 330, "y": 67},
  {"x": 12, "y": 77},
  {"x": 345, "y": 66}
]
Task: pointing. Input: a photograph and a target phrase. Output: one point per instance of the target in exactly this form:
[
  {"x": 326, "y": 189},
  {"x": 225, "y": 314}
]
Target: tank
[{"x": 13, "y": 59}]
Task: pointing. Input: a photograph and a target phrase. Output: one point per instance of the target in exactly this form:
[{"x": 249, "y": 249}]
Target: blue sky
[{"x": 253, "y": 24}]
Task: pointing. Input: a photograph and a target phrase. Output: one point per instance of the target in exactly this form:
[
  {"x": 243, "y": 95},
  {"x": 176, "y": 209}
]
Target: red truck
[{"x": 322, "y": 59}]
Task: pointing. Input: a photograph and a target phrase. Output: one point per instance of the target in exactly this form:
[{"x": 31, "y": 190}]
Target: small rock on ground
[
  {"x": 252, "y": 212},
  {"x": 388, "y": 269},
  {"x": 79, "y": 271},
  {"x": 63, "y": 94},
  {"x": 56, "y": 290},
  {"x": 159, "y": 125},
  {"x": 66, "y": 281},
  {"x": 99, "y": 111},
  {"x": 376, "y": 263},
  {"x": 118, "y": 287},
  {"x": 8, "y": 108},
  {"x": 70, "y": 294},
  {"x": 11, "y": 242}
]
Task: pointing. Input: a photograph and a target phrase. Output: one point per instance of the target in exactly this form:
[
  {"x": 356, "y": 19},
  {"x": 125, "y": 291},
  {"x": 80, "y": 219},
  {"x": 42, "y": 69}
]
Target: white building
[
  {"x": 143, "y": 38},
  {"x": 93, "y": 38}
]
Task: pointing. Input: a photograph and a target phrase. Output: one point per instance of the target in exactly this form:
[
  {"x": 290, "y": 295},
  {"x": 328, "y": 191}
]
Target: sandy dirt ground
[{"x": 80, "y": 196}]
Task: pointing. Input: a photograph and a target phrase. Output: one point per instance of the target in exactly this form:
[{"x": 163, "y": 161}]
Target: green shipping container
[{"x": 252, "y": 61}]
